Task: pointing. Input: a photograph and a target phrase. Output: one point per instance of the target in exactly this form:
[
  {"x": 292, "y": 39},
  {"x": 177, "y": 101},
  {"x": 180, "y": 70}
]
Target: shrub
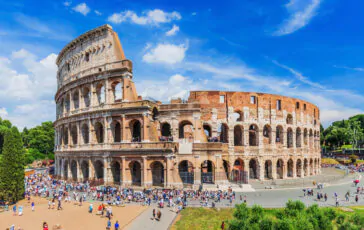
[
  {"x": 357, "y": 219},
  {"x": 284, "y": 224},
  {"x": 330, "y": 213},
  {"x": 266, "y": 224},
  {"x": 348, "y": 226},
  {"x": 340, "y": 219}
]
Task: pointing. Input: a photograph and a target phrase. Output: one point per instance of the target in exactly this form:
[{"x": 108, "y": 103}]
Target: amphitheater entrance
[
  {"x": 185, "y": 169},
  {"x": 166, "y": 130},
  {"x": 290, "y": 168},
  {"x": 226, "y": 166},
  {"x": 238, "y": 175},
  {"x": 207, "y": 172},
  {"x": 157, "y": 173},
  {"x": 299, "y": 168},
  {"x": 136, "y": 131},
  {"x": 305, "y": 167},
  {"x": 268, "y": 169},
  {"x": 253, "y": 169},
  {"x": 280, "y": 169},
  {"x": 136, "y": 173},
  {"x": 99, "y": 170},
  {"x": 65, "y": 170},
  {"x": 311, "y": 167},
  {"x": 115, "y": 171},
  {"x": 74, "y": 170},
  {"x": 85, "y": 170}
]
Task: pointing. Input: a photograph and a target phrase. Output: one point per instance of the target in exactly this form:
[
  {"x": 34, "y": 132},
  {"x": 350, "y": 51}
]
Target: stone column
[
  {"x": 123, "y": 171},
  {"x": 284, "y": 169},
  {"x": 79, "y": 171},
  {"x": 91, "y": 173},
  {"x": 285, "y": 141},
  {"x": 108, "y": 92},
  {"x": 197, "y": 172},
  {"x": 274, "y": 169},
  {"x": 79, "y": 133},
  {"x": 81, "y": 102},
  {"x": 294, "y": 173},
  {"x": 167, "y": 172},
  {"x": 106, "y": 170},
  {"x": 123, "y": 129},
  {"x": 62, "y": 168},
  {"x": 71, "y": 102},
  {"x": 90, "y": 132},
  {"x": 145, "y": 172},
  {"x": 93, "y": 96},
  {"x": 261, "y": 169},
  {"x": 302, "y": 168},
  {"x": 106, "y": 130},
  {"x": 69, "y": 172},
  {"x": 246, "y": 171},
  {"x": 145, "y": 128}
]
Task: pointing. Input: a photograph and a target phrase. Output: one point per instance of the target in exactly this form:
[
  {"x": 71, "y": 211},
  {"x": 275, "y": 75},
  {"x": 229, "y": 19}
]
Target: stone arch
[
  {"x": 74, "y": 170},
  {"x": 99, "y": 169},
  {"x": 207, "y": 130},
  {"x": 76, "y": 99},
  {"x": 226, "y": 166},
  {"x": 157, "y": 169},
  {"x": 86, "y": 94},
  {"x": 289, "y": 138},
  {"x": 155, "y": 114},
  {"x": 289, "y": 119},
  {"x": 238, "y": 115},
  {"x": 136, "y": 173},
  {"x": 305, "y": 137},
  {"x": 311, "y": 138},
  {"x": 85, "y": 170},
  {"x": 280, "y": 168},
  {"x": 135, "y": 130},
  {"x": 185, "y": 129},
  {"x": 253, "y": 135},
  {"x": 74, "y": 134},
  {"x": 116, "y": 131},
  {"x": 238, "y": 172},
  {"x": 207, "y": 172},
  {"x": 67, "y": 103},
  {"x": 166, "y": 129},
  {"x": 254, "y": 169},
  {"x": 267, "y": 135},
  {"x": 311, "y": 166},
  {"x": 268, "y": 169},
  {"x": 100, "y": 92},
  {"x": 305, "y": 167},
  {"x": 117, "y": 89},
  {"x": 65, "y": 136},
  {"x": 279, "y": 135},
  {"x": 299, "y": 168},
  {"x": 99, "y": 132},
  {"x": 85, "y": 133},
  {"x": 290, "y": 168},
  {"x": 115, "y": 171},
  {"x": 224, "y": 133},
  {"x": 65, "y": 169},
  {"x": 298, "y": 137},
  {"x": 315, "y": 166},
  {"x": 238, "y": 135},
  {"x": 186, "y": 172}
]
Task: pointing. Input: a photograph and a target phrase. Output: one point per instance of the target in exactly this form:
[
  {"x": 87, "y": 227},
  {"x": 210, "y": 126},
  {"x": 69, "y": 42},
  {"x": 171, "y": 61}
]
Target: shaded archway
[
  {"x": 290, "y": 168},
  {"x": 238, "y": 135},
  {"x": 74, "y": 170},
  {"x": 311, "y": 139},
  {"x": 207, "y": 131},
  {"x": 74, "y": 135},
  {"x": 298, "y": 138},
  {"x": 238, "y": 174},
  {"x": 185, "y": 129},
  {"x": 117, "y": 89},
  {"x": 65, "y": 170},
  {"x": 279, "y": 135},
  {"x": 186, "y": 173},
  {"x": 65, "y": 136},
  {"x": 155, "y": 114},
  {"x": 116, "y": 129},
  {"x": 268, "y": 169},
  {"x": 85, "y": 133},
  {"x": 136, "y": 173},
  {"x": 207, "y": 172},
  {"x": 289, "y": 119},
  {"x": 226, "y": 169},
  {"x": 76, "y": 99},
  {"x": 315, "y": 166},
  {"x": 253, "y": 169},
  {"x": 253, "y": 135},
  {"x": 100, "y": 92},
  {"x": 305, "y": 137},
  {"x": 99, "y": 132},
  {"x": 136, "y": 131},
  {"x": 267, "y": 135},
  {"x": 289, "y": 138},
  {"x": 238, "y": 115},
  {"x": 280, "y": 169},
  {"x": 166, "y": 130},
  {"x": 115, "y": 171},
  {"x": 299, "y": 168},
  {"x": 86, "y": 96},
  {"x": 99, "y": 170},
  {"x": 85, "y": 170},
  {"x": 305, "y": 167},
  {"x": 224, "y": 133},
  {"x": 157, "y": 169}
]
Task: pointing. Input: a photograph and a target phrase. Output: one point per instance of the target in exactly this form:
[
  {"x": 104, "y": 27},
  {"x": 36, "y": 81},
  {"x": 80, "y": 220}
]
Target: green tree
[
  {"x": 40, "y": 138},
  {"x": 12, "y": 167},
  {"x": 5, "y": 125}
]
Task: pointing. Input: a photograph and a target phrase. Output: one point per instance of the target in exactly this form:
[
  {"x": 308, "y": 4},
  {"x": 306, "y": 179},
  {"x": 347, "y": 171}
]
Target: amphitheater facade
[{"x": 106, "y": 133}]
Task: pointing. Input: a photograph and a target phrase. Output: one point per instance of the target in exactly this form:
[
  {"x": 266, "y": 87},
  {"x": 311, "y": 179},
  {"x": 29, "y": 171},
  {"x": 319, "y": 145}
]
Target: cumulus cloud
[
  {"x": 82, "y": 8},
  {"x": 301, "y": 13},
  {"x": 150, "y": 17},
  {"x": 67, "y": 3},
  {"x": 172, "y": 31},
  {"x": 98, "y": 13},
  {"x": 166, "y": 53}
]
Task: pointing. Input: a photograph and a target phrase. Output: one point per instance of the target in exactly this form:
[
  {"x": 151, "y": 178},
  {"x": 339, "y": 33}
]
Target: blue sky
[{"x": 309, "y": 49}]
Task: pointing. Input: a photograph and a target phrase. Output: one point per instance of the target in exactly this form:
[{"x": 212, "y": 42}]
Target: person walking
[
  {"x": 14, "y": 210},
  {"x": 32, "y": 206},
  {"x": 223, "y": 225},
  {"x": 153, "y": 214},
  {"x": 108, "y": 225},
  {"x": 357, "y": 198},
  {"x": 117, "y": 226},
  {"x": 337, "y": 201},
  {"x": 325, "y": 197}
]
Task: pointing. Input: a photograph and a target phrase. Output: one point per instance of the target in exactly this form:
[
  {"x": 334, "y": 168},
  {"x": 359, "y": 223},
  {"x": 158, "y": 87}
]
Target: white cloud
[
  {"x": 350, "y": 68},
  {"x": 172, "y": 31},
  {"x": 166, "y": 53},
  {"x": 67, "y": 3},
  {"x": 98, "y": 13},
  {"x": 3, "y": 113},
  {"x": 82, "y": 8},
  {"x": 300, "y": 14},
  {"x": 151, "y": 17},
  {"x": 32, "y": 23}
]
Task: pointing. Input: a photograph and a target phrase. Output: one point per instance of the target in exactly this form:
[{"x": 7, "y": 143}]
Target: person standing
[
  {"x": 337, "y": 201},
  {"x": 223, "y": 225},
  {"x": 325, "y": 197},
  {"x": 117, "y": 226},
  {"x": 153, "y": 213},
  {"x": 108, "y": 226},
  {"x": 357, "y": 198},
  {"x": 32, "y": 206},
  {"x": 14, "y": 210}
]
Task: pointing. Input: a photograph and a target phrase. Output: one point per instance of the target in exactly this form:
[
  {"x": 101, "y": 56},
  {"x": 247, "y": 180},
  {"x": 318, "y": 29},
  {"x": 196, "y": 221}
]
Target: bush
[
  {"x": 330, "y": 213},
  {"x": 266, "y": 224},
  {"x": 284, "y": 224},
  {"x": 340, "y": 219},
  {"x": 348, "y": 226},
  {"x": 357, "y": 219}
]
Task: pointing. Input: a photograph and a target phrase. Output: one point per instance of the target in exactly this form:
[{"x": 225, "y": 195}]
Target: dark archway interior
[
  {"x": 117, "y": 132},
  {"x": 157, "y": 173},
  {"x": 186, "y": 172},
  {"x": 136, "y": 131},
  {"x": 136, "y": 175},
  {"x": 207, "y": 172}
]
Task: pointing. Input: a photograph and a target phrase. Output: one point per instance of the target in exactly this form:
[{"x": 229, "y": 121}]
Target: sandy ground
[{"x": 71, "y": 217}]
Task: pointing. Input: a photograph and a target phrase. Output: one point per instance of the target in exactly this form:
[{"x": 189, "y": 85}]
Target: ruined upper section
[{"x": 92, "y": 53}]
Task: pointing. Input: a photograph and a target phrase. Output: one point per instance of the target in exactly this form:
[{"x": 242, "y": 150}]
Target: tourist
[
  {"x": 116, "y": 226},
  {"x": 108, "y": 226},
  {"x": 45, "y": 226},
  {"x": 337, "y": 201},
  {"x": 14, "y": 210},
  {"x": 325, "y": 197},
  {"x": 32, "y": 206},
  {"x": 153, "y": 213},
  {"x": 223, "y": 225},
  {"x": 90, "y": 208},
  {"x": 245, "y": 199},
  {"x": 159, "y": 215},
  {"x": 20, "y": 210},
  {"x": 356, "y": 198}
]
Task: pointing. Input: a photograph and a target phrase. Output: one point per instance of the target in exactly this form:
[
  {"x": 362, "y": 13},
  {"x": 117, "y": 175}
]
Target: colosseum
[{"x": 107, "y": 133}]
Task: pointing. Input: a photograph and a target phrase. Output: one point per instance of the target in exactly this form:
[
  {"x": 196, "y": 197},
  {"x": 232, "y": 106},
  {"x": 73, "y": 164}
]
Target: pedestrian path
[{"x": 145, "y": 221}]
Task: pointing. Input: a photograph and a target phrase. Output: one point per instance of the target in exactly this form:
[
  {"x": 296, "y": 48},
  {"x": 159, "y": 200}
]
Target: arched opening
[
  {"x": 67, "y": 103},
  {"x": 166, "y": 130},
  {"x": 85, "y": 170},
  {"x": 65, "y": 170},
  {"x": 207, "y": 131},
  {"x": 224, "y": 133},
  {"x": 299, "y": 168},
  {"x": 238, "y": 174},
  {"x": 100, "y": 92},
  {"x": 289, "y": 119},
  {"x": 76, "y": 100},
  {"x": 136, "y": 173},
  {"x": 99, "y": 170},
  {"x": 86, "y": 96},
  {"x": 253, "y": 169},
  {"x": 155, "y": 114},
  {"x": 74, "y": 170},
  {"x": 226, "y": 169},
  {"x": 238, "y": 135},
  {"x": 315, "y": 167},
  {"x": 74, "y": 135},
  {"x": 290, "y": 168},
  {"x": 207, "y": 172},
  {"x": 268, "y": 169},
  {"x": 238, "y": 116},
  {"x": 311, "y": 138},
  {"x": 157, "y": 169},
  {"x": 117, "y": 89},
  {"x": 185, "y": 130},
  {"x": 267, "y": 135},
  {"x": 305, "y": 167},
  {"x": 280, "y": 169},
  {"x": 136, "y": 130},
  {"x": 305, "y": 137},
  {"x": 311, "y": 167},
  {"x": 289, "y": 138},
  {"x": 99, "y": 131},
  {"x": 298, "y": 138},
  {"x": 115, "y": 171},
  {"x": 253, "y": 135},
  {"x": 85, "y": 133},
  {"x": 117, "y": 132},
  {"x": 279, "y": 135},
  {"x": 65, "y": 136},
  {"x": 186, "y": 173}
]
